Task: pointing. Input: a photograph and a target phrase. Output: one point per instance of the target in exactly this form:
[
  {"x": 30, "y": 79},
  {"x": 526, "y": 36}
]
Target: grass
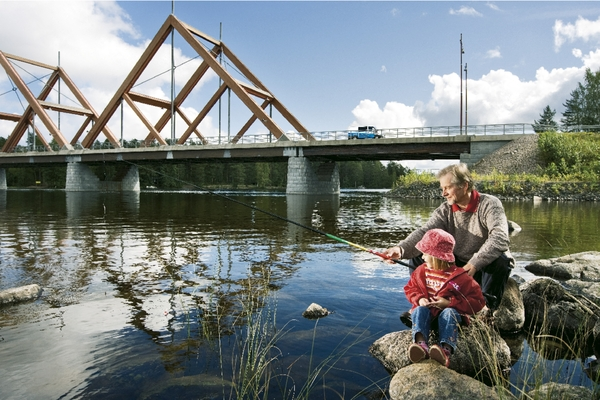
[{"x": 256, "y": 368}]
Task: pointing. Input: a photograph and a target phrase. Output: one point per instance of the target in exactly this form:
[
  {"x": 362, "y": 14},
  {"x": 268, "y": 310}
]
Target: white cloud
[
  {"x": 383, "y": 69},
  {"x": 395, "y": 12},
  {"x": 493, "y": 6},
  {"x": 393, "y": 115},
  {"x": 493, "y": 53},
  {"x": 582, "y": 29},
  {"x": 465, "y": 10},
  {"x": 498, "y": 97},
  {"x": 590, "y": 60}
]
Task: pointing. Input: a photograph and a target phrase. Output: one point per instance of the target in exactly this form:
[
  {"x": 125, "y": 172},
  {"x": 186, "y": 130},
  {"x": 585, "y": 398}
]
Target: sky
[{"x": 334, "y": 65}]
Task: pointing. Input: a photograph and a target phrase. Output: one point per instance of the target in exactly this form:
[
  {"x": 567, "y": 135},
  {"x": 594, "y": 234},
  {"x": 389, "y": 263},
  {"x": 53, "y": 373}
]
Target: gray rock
[
  {"x": 559, "y": 391},
  {"x": 583, "y": 266},
  {"x": 590, "y": 290},
  {"x": 510, "y": 315},
  {"x": 513, "y": 227},
  {"x": 315, "y": 311},
  {"x": 480, "y": 350},
  {"x": 429, "y": 380},
  {"x": 551, "y": 309},
  {"x": 19, "y": 294}
]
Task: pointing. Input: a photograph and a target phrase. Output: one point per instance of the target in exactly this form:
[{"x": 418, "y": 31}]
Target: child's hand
[
  {"x": 423, "y": 302},
  {"x": 439, "y": 302}
]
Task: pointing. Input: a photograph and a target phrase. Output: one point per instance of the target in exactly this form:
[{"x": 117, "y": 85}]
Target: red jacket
[{"x": 462, "y": 290}]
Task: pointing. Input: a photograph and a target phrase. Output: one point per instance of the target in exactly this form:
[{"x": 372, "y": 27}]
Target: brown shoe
[
  {"x": 440, "y": 354},
  {"x": 418, "y": 351}
]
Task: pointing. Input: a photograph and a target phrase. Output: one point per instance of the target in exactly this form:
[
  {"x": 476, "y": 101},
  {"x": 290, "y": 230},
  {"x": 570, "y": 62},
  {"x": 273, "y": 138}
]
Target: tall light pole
[
  {"x": 466, "y": 101},
  {"x": 462, "y": 51}
]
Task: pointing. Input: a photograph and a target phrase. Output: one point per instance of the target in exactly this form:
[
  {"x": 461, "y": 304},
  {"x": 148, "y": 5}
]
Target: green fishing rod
[{"x": 310, "y": 228}]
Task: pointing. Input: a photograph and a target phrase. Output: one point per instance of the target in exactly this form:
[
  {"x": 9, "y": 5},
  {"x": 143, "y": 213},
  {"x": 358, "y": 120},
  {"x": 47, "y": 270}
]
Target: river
[{"x": 151, "y": 295}]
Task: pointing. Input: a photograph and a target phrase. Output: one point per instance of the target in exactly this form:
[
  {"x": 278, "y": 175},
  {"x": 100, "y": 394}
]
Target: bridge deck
[{"x": 415, "y": 148}]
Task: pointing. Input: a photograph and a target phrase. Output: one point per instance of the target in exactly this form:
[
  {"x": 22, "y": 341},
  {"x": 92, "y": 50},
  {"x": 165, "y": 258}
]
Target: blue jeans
[{"x": 448, "y": 321}]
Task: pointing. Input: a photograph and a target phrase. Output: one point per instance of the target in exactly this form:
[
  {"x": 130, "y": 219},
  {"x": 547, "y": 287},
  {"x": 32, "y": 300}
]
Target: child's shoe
[
  {"x": 418, "y": 351},
  {"x": 440, "y": 354}
]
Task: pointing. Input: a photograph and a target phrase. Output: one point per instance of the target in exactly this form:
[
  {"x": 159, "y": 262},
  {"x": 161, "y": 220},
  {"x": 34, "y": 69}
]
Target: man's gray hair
[{"x": 460, "y": 175}]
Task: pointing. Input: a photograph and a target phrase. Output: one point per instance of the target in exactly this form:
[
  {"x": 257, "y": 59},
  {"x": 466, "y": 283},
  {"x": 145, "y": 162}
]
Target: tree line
[
  {"x": 582, "y": 109},
  {"x": 170, "y": 176}
]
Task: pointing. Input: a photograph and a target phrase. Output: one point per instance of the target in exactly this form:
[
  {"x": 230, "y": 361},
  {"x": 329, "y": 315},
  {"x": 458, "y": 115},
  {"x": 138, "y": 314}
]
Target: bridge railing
[{"x": 389, "y": 133}]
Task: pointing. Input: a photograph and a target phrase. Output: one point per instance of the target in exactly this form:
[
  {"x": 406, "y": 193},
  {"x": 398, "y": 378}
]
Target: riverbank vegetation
[{"x": 568, "y": 168}]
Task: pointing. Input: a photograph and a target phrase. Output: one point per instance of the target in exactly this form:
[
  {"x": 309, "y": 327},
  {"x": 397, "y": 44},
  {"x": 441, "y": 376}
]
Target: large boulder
[
  {"x": 582, "y": 266},
  {"x": 429, "y": 380},
  {"x": 510, "y": 315},
  {"x": 551, "y": 309},
  {"x": 559, "y": 391},
  {"x": 19, "y": 294},
  {"x": 480, "y": 351}
]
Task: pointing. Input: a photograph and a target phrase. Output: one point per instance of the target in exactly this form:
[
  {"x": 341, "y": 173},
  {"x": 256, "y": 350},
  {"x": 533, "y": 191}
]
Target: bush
[{"x": 570, "y": 154}]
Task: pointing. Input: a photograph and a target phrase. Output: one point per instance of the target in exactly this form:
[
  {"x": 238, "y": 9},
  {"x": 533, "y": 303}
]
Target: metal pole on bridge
[
  {"x": 172, "y": 78},
  {"x": 462, "y": 51},
  {"x": 466, "y": 101}
]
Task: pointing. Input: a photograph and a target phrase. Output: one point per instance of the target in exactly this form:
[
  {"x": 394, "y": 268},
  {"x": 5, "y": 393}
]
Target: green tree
[
  {"x": 583, "y": 108},
  {"x": 546, "y": 121},
  {"x": 263, "y": 178}
]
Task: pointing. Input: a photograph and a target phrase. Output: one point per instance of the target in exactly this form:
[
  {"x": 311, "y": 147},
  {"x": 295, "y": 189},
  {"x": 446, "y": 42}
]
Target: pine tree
[
  {"x": 583, "y": 108},
  {"x": 573, "y": 115},
  {"x": 546, "y": 121}
]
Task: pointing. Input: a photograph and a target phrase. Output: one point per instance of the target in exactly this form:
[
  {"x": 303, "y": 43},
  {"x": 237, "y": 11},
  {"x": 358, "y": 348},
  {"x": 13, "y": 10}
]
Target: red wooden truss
[
  {"x": 39, "y": 105},
  {"x": 246, "y": 92}
]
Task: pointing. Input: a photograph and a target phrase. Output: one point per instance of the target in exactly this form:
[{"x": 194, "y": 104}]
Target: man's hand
[
  {"x": 470, "y": 268},
  {"x": 395, "y": 253}
]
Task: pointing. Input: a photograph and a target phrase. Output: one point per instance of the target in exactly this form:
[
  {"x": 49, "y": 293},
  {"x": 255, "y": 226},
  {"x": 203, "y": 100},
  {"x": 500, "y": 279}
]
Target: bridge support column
[
  {"x": 3, "y": 179},
  {"x": 80, "y": 178},
  {"x": 311, "y": 177}
]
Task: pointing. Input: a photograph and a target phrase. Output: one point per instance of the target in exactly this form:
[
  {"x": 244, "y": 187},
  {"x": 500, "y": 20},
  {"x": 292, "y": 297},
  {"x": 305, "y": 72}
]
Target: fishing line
[{"x": 269, "y": 213}]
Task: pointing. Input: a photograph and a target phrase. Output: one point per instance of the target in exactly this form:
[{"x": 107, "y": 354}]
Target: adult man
[{"x": 479, "y": 225}]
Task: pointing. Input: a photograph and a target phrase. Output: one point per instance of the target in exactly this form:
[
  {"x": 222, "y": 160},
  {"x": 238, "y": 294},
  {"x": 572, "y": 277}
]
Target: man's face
[{"x": 454, "y": 193}]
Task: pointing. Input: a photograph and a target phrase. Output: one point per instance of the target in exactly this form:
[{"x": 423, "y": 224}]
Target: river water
[{"x": 150, "y": 295}]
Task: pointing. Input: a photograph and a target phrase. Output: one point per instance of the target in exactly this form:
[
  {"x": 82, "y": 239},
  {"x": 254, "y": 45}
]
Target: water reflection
[
  {"x": 96, "y": 203},
  {"x": 146, "y": 294},
  {"x": 313, "y": 211}
]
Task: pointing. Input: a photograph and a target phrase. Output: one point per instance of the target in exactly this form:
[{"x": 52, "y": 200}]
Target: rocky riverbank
[
  {"x": 560, "y": 306},
  {"x": 511, "y": 190}
]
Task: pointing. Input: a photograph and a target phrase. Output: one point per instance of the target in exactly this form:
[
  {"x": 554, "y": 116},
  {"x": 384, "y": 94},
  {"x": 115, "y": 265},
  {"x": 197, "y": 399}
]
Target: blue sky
[{"x": 334, "y": 65}]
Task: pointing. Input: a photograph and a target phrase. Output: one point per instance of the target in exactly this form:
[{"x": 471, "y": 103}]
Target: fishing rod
[{"x": 310, "y": 228}]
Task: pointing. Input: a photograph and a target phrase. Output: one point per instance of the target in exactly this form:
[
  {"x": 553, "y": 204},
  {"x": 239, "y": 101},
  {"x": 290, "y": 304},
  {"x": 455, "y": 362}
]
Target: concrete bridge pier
[
  {"x": 80, "y": 178},
  {"x": 3, "y": 179},
  {"x": 312, "y": 177}
]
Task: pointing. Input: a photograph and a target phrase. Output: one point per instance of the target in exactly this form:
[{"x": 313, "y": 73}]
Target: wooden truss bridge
[{"x": 252, "y": 93}]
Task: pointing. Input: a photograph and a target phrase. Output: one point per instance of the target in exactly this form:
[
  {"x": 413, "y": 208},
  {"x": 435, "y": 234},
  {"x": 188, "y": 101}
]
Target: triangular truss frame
[
  {"x": 37, "y": 106},
  {"x": 242, "y": 90}
]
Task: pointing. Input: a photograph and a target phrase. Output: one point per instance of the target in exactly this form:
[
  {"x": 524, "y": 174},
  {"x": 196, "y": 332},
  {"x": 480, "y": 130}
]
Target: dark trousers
[{"x": 492, "y": 278}]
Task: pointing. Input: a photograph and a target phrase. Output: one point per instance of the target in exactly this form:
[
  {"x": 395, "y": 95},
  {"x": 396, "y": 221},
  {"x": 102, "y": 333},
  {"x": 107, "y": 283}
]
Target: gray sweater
[{"x": 481, "y": 237}]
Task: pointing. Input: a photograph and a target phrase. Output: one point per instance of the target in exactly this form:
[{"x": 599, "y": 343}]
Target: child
[{"x": 439, "y": 289}]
